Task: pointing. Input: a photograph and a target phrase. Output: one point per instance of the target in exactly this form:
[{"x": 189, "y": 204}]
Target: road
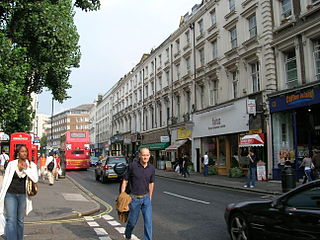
[{"x": 181, "y": 210}]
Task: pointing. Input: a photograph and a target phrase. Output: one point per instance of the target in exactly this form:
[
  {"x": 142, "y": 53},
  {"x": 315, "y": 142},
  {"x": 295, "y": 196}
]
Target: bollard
[{"x": 288, "y": 179}]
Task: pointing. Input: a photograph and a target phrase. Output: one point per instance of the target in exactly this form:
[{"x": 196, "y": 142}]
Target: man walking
[
  {"x": 3, "y": 158},
  {"x": 140, "y": 176},
  {"x": 205, "y": 164},
  {"x": 252, "y": 170}
]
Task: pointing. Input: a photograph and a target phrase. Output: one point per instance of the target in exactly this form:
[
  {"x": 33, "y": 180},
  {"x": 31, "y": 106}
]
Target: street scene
[{"x": 185, "y": 119}]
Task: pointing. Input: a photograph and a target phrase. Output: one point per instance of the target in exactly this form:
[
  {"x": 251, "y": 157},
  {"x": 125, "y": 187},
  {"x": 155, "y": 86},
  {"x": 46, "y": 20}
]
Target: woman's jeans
[
  {"x": 251, "y": 178},
  {"x": 146, "y": 208},
  {"x": 308, "y": 174},
  {"x": 15, "y": 209}
]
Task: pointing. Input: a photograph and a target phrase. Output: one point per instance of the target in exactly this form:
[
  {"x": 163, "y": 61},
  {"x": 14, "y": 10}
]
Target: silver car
[{"x": 105, "y": 168}]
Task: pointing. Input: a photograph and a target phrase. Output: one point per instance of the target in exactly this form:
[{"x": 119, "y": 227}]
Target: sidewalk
[
  {"x": 63, "y": 200},
  {"x": 265, "y": 187}
]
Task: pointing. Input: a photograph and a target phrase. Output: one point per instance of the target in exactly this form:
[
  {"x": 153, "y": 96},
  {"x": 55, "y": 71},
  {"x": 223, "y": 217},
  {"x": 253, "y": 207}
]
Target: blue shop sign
[{"x": 296, "y": 99}]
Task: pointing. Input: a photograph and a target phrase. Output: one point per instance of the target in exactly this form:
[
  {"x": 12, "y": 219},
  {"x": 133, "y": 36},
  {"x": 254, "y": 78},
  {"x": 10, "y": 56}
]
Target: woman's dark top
[{"x": 18, "y": 185}]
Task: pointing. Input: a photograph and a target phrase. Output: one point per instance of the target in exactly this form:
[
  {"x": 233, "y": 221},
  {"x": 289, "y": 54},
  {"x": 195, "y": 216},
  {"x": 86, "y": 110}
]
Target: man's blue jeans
[
  {"x": 146, "y": 208},
  {"x": 251, "y": 178},
  {"x": 15, "y": 209},
  {"x": 205, "y": 170}
]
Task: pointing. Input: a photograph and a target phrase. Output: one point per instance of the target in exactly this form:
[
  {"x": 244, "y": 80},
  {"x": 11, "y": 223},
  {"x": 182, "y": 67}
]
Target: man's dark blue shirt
[{"x": 139, "y": 177}]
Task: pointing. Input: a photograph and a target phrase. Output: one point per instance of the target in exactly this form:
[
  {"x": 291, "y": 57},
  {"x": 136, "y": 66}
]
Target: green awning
[{"x": 155, "y": 146}]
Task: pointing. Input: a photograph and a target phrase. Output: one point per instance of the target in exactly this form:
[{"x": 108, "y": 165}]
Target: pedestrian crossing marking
[
  {"x": 100, "y": 231},
  {"x": 105, "y": 238},
  {"x": 120, "y": 229},
  {"x": 107, "y": 217},
  {"x": 88, "y": 218},
  {"x": 93, "y": 224},
  {"x": 114, "y": 223}
]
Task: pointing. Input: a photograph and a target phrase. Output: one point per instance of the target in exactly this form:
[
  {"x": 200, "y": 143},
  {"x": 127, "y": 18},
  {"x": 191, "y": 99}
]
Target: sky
[{"x": 112, "y": 42}]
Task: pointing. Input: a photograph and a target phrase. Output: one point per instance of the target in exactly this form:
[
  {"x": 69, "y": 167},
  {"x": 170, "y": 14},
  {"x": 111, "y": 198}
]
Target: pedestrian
[
  {"x": 14, "y": 202},
  {"x": 307, "y": 164},
  {"x": 50, "y": 167},
  {"x": 58, "y": 166},
  {"x": 43, "y": 166},
  {"x": 205, "y": 164},
  {"x": 252, "y": 169},
  {"x": 3, "y": 159},
  {"x": 140, "y": 176},
  {"x": 186, "y": 162},
  {"x": 316, "y": 162}
]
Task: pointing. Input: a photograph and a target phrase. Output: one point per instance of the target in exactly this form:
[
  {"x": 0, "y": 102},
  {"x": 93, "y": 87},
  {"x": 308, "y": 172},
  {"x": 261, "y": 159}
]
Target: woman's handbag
[{"x": 32, "y": 188}]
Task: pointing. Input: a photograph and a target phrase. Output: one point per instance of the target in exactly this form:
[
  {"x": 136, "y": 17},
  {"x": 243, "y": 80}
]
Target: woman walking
[
  {"x": 307, "y": 163},
  {"x": 14, "y": 202}
]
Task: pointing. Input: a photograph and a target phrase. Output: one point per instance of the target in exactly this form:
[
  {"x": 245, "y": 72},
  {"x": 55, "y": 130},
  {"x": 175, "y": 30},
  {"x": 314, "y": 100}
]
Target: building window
[
  {"x": 234, "y": 84},
  {"x": 316, "y": 54},
  {"x": 147, "y": 72},
  {"x": 178, "y": 45},
  {"x": 286, "y": 8},
  {"x": 201, "y": 96},
  {"x": 214, "y": 49},
  {"x": 188, "y": 63},
  {"x": 232, "y": 5},
  {"x": 252, "y": 26},
  {"x": 168, "y": 78},
  {"x": 201, "y": 56},
  {"x": 188, "y": 96},
  {"x": 146, "y": 92},
  {"x": 291, "y": 69},
  {"x": 255, "y": 77},
  {"x": 167, "y": 53},
  {"x": 233, "y": 37},
  {"x": 160, "y": 114},
  {"x": 160, "y": 83},
  {"x": 215, "y": 90},
  {"x": 152, "y": 67},
  {"x": 178, "y": 106},
  {"x": 187, "y": 34},
  {"x": 213, "y": 17},
  {"x": 200, "y": 25},
  {"x": 178, "y": 71},
  {"x": 160, "y": 60}
]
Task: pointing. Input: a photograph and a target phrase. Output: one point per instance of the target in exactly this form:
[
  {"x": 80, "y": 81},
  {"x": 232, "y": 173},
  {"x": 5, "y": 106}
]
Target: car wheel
[{"x": 238, "y": 227}]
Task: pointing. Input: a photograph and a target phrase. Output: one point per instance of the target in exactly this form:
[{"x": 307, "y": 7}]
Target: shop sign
[
  {"x": 164, "y": 139},
  {"x": 230, "y": 118},
  {"x": 251, "y": 106},
  {"x": 127, "y": 141},
  {"x": 116, "y": 139},
  {"x": 261, "y": 171},
  {"x": 183, "y": 133},
  {"x": 300, "y": 98},
  {"x": 153, "y": 137}
]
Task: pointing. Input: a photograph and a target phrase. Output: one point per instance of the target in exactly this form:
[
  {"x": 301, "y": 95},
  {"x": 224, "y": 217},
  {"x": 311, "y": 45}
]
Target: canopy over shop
[
  {"x": 176, "y": 145},
  {"x": 155, "y": 146},
  {"x": 252, "y": 140}
]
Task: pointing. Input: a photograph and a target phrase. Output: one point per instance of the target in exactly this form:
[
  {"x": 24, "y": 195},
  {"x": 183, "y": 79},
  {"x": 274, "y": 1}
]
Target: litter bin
[{"x": 288, "y": 179}]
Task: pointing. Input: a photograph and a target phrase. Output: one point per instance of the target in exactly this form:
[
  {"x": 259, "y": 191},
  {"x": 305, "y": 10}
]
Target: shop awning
[
  {"x": 253, "y": 140},
  {"x": 4, "y": 137},
  {"x": 155, "y": 146},
  {"x": 174, "y": 147}
]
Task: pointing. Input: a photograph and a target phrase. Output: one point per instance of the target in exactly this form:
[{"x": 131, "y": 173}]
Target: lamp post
[{"x": 51, "y": 130}]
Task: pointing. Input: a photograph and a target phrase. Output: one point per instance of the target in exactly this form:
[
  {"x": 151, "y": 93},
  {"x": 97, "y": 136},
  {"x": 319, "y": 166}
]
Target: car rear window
[{"x": 114, "y": 160}]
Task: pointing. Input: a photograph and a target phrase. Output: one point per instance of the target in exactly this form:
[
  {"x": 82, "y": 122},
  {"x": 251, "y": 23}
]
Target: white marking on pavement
[
  {"x": 187, "y": 198},
  {"x": 93, "y": 224},
  {"x": 74, "y": 197},
  {"x": 88, "y": 218},
  {"x": 133, "y": 237},
  {"x": 114, "y": 223},
  {"x": 120, "y": 229},
  {"x": 100, "y": 231},
  {"x": 107, "y": 217},
  {"x": 105, "y": 238}
]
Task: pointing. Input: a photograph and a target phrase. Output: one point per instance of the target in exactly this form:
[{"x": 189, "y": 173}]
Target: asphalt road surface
[{"x": 181, "y": 210}]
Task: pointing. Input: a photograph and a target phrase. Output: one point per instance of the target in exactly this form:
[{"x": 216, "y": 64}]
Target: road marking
[
  {"x": 107, "y": 217},
  {"x": 74, "y": 197},
  {"x": 105, "y": 238},
  {"x": 121, "y": 229},
  {"x": 88, "y": 218},
  {"x": 187, "y": 198},
  {"x": 100, "y": 231},
  {"x": 114, "y": 223},
  {"x": 93, "y": 224}
]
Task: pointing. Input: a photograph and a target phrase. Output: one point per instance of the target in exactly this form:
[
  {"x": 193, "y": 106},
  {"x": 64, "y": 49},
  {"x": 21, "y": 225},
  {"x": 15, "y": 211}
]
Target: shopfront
[
  {"x": 116, "y": 147},
  {"x": 218, "y": 132},
  {"x": 295, "y": 126},
  {"x": 156, "y": 141}
]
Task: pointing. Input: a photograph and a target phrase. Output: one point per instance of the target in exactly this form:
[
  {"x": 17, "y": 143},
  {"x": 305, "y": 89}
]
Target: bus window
[{"x": 77, "y": 152}]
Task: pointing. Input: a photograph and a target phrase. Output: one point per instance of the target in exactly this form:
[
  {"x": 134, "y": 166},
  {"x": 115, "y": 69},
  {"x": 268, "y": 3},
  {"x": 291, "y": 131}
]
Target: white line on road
[
  {"x": 100, "y": 231},
  {"x": 105, "y": 238},
  {"x": 187, "y": 198},
  {"x": 107, "y": 217},
  {"x": 114, "y": 223},
  {"x": 93, "y": 224},
  {"x": 120, "y": 229}
]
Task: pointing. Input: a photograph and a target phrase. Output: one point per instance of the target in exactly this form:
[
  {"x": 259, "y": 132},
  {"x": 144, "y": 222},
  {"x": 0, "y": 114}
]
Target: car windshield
[{"x": 114, "y": 160}]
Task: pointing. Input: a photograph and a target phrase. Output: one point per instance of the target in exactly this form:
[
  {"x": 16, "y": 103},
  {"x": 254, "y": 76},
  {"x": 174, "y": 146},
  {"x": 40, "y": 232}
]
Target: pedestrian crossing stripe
[
  {"x": 105, "y": 238},
  {"x": 93, "y": 224},
  {"x": 114, "y": 223},
  {"x": 120, "y": 229},
  {"x": 88, "y": 218},
  {"x": 100, "y": 231},
  {"x": 107, "y": 217}
]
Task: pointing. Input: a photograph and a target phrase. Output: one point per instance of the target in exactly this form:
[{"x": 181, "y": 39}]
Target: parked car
[
  {"x": 94, "y": 161},
  {"x": 105, "y": 168},
  {"x": 293, "y": 215}
]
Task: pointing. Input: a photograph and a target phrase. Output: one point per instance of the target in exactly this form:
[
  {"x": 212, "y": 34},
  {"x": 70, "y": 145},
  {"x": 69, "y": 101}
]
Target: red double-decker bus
[{"x": 75, "y": 149}]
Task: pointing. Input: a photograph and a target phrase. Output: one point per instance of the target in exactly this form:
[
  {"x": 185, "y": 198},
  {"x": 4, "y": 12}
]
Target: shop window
[
  {"x": 316, "y": 54},
  {"x": 283, "y": 132},
  {"x": 291, "y": 69},
  {"x": 222, "y": 152}
]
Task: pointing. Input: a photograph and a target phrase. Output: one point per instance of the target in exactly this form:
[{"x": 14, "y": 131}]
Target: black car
[
  {"x": 105, "y": 168},
  {"x": 293, "y": 215}
]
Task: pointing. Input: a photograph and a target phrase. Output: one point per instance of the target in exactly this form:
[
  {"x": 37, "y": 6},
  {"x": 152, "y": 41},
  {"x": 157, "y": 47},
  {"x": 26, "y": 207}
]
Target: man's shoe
[
  {"x": 251, "y": 186},
  {"x": 245, "y": 186}
]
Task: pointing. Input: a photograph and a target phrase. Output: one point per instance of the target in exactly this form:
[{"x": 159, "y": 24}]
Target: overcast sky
[{"x": 113, "y": 40}]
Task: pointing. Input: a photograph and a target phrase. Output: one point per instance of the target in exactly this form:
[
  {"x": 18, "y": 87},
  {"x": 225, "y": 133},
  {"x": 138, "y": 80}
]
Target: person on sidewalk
[
  {"x": 43, "y": 166},
  {"x": 3, "y": 158},
  {"x": 58, "y": 166},
  {"x": 51, "y": 165},
  {"x": 251, "y": 178},
  {"x": 141, "y": 175},
  {"x": 14, "y": 202},
  {"x": 316, "y": 162},
  {"x": 307, "y": 164},
  {"x": 186, "y": 162},
  {"x": 205, "y": 164}
]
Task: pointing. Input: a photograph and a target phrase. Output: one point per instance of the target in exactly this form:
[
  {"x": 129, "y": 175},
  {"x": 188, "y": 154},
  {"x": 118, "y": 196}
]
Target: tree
[{"x": 38, "y": 49}]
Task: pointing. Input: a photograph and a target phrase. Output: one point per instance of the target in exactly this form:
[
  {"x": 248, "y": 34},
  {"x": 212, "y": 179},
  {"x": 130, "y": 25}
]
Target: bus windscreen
[{"x": 77, "y": 135}]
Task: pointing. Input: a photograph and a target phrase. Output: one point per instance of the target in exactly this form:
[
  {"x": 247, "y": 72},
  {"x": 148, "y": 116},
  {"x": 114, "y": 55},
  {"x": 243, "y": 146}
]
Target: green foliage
[
  {"x": 38, "y": 49},
  {"x": 212, "y": 170},
  {"x": 43, "y": 141},
  {"x": 235, "y": 172}
]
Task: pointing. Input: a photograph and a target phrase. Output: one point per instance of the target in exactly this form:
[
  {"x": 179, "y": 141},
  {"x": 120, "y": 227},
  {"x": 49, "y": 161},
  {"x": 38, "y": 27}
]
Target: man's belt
[{"x": 139, "y": 196}]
